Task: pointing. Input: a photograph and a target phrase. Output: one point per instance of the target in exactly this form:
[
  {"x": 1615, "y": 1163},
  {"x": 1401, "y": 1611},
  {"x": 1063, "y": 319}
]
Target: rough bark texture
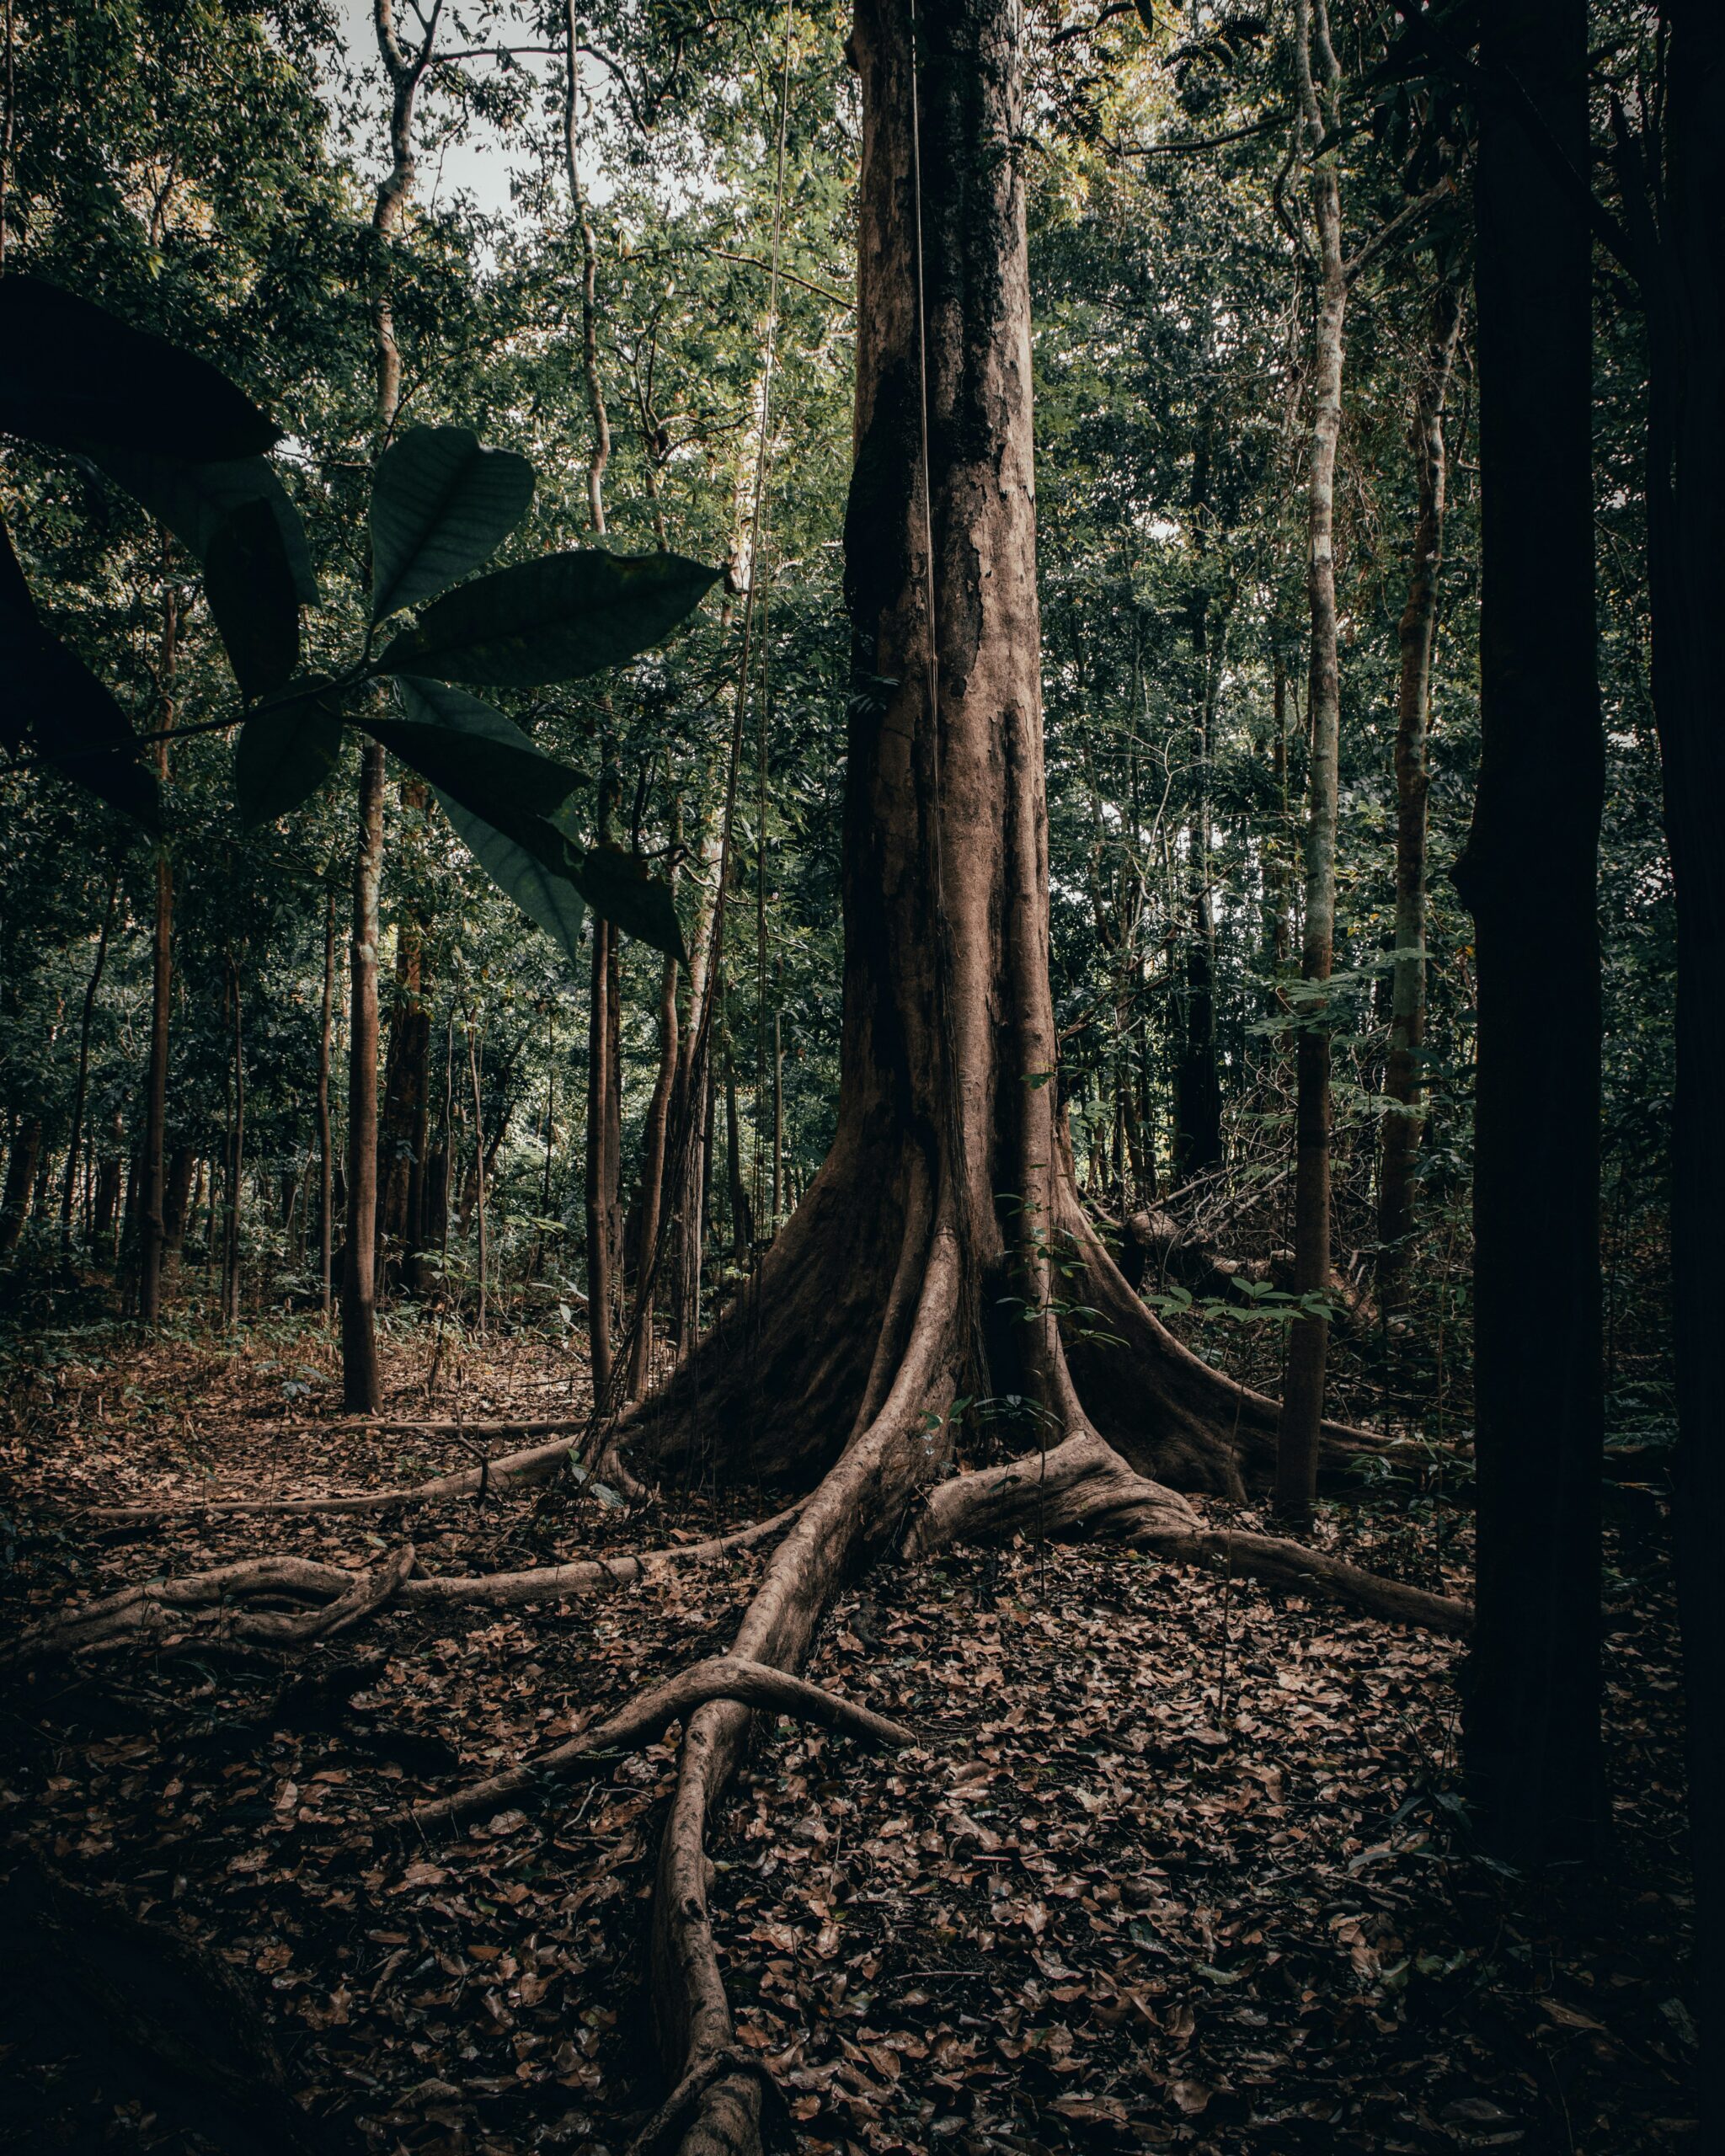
[
  {"x": 153, "y": 1228},
  {"x": 404, "y": 1123},
  {"x": 359, "y": 1388},
  {"x": 93, "y": 988},
  {"x": 1683, "y": 247},
  {"x": 1308, "y": 1337},
  {"x": 1529, "y": 876},
  {"x": 326, "y": 1158},
  {"x": 1403, "y": 1082}
]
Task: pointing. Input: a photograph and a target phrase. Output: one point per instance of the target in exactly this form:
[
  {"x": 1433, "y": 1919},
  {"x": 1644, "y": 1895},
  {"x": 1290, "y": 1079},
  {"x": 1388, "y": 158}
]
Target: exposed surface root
[
  {"x": 154, "y": 1608},
  {"x": 723, "y": 1676},
  {"x": 1083, "y": 1487},
  {"x": 534, "y": 1464}
]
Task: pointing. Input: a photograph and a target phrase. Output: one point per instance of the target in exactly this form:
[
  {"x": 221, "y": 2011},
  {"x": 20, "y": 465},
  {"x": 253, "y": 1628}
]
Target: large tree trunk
[
  {"x": 1686, "y": 565},
  {"x": 1529, "y": 876},
  {"x": 1308, "y": 1337},
  {"x": 1403, "y": 1082},
  {"x": 918, "y": 1264}
]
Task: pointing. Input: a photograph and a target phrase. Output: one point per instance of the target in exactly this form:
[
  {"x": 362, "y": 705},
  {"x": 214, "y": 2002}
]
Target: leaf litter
[{"x": 1177, "y": 1864}]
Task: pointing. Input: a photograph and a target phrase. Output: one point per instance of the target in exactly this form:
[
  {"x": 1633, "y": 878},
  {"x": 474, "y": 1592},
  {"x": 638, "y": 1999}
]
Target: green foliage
[
  {"x": 556, "y": 620},
  {"x": 440, "y": 506},
  {"x": 283, "y": 755}
]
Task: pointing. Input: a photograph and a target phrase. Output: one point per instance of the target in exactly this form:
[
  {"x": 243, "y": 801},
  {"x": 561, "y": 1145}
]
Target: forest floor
[{"x": 1179, "y": 1864}]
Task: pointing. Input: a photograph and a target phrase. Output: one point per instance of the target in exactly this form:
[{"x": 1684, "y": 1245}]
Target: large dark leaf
[
  {"x": 193, "y": 500},
  {"x": 552, "y": 620},
  {"x": 52, "y": 703},
  {"x": 73, "y": 375},
  {"x": 503, "y": 780},
  {"x": 249, "y": 583},
  {"x": 76, "y": 725},
  {"x": 619, "y": 886},
  {"x": 440, "y": 506},
  {"x": 546, "y": 896},
  {"x": 285, "y": 752}
]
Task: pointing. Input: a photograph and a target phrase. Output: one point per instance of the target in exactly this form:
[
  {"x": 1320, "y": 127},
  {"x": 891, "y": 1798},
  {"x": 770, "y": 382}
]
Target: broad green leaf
[
  {"x": 549, "y": 900},
  {"x": 284, "y": 754},
  {"x": 250, "y": 584},
  {"x": 77, "y": 376},
  {"x": 553, "y": 620},
  {"x": 506, "y": 782},
  {"x": 440, "y": 506},
  {"x": 193, "y": 500},
  {"x": 617, "y": 885}
]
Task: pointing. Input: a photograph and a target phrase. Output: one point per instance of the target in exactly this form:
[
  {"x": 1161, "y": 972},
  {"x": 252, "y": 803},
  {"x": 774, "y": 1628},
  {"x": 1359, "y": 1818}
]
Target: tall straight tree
[
  {"x": 1403, "y": 1082},
  {"x": 152, "y": 1221},
  {"x": 1319, "y": 80},
  {"x": 361, "y": 1394},
  {"x": 1529, "y": 876}
]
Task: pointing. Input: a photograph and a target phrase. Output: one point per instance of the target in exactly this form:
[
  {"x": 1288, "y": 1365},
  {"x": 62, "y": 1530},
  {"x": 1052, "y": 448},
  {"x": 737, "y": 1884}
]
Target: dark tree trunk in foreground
[
  {"x": 1403, "y": 1081},
  {"x": 359, "y": 1387},
  {"x": 1683, "y": 248},
  {"x": 1529, "y": 876}
]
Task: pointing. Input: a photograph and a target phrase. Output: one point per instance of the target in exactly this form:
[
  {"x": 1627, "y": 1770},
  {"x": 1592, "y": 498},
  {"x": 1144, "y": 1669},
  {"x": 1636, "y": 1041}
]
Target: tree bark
[
  {"x": 1308, "y": 1337},
  {"x": 153, "y": 1235},
  {"x": 1683, "y": 254},
  {"x": 1529, "y": 876},
  {"x": 80, "y": 1092},
  {"x": 360, "y": 1391},
  {"x": 20, "y": 1181},
  {"x": 1403, "y": 1082},
  {"x": 404, "y": 1122},
  {"x": 326, "y": 1159},
  {"x": 230, "y": 1262}
]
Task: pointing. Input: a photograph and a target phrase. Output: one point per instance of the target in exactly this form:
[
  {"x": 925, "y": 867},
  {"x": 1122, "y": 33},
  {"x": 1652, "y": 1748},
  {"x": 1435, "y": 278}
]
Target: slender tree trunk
[
  {"x": 1683, "y": 246},
  {"x": 654, "y": 1144},
  {"x": 478, "y": 1168},
  {"x": 361, "y": 1390},
  {"x": 405, "y": 71},
  {"x": 230, "y": 1262},
  {"x": 1402, "y": 1080},
  {"x": 154, "y": 1233},
  {"x": 1529, "y": 876},
  {"x": 178, "y": 1204},
  {"x": 80, "y": 1092},
  {"x": 20, "y": 1181},
  {"x": 326, "y": 1158},
  {"x": 1308, "y": 1337},
  {"x": 404, "y": 1120},
  {"x": 602, "y": 1122},
  {"x": 1281, "y": 877},
  {"x": 778, "y": 1119}
]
